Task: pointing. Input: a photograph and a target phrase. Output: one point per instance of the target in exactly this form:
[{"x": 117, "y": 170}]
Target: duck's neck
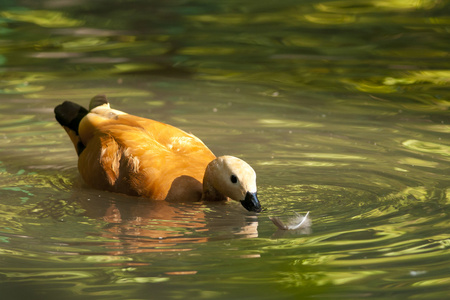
[{"x": 210, "y": 193}]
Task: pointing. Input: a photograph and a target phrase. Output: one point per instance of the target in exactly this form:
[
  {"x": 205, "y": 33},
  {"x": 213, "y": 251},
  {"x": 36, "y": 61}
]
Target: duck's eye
[{"x": 233, "y": 178}]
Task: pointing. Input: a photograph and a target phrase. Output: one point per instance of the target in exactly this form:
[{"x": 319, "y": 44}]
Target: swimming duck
[{"x": 124, "y": 153}]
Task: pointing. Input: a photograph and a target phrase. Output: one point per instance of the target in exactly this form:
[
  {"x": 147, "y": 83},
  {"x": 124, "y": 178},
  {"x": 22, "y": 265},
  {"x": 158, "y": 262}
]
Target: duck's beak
[{"x": 251, "y": 202}]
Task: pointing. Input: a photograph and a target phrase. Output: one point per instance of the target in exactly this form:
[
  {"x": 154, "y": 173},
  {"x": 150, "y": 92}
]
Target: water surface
[{"x": 341, "y": 107}]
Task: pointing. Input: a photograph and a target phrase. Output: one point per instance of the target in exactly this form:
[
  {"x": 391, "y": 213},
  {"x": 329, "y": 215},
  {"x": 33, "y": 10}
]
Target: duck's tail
[{"x": 70, "y": 114}]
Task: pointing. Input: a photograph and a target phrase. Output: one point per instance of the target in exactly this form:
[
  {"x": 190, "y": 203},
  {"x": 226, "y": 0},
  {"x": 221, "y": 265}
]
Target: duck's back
[{"x": 138, "y": 156}]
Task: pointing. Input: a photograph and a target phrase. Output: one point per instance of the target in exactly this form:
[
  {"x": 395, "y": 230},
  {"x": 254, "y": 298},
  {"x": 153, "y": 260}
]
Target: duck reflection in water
[{"x": 142, "y": 225}]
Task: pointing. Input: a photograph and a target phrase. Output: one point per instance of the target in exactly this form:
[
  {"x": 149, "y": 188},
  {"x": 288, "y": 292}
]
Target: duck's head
[{"x": 229, "y": 176}]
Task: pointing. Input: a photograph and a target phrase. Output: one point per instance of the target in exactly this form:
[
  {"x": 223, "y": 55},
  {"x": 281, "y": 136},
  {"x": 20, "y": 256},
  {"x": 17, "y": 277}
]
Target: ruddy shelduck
[{"x": 123, "y": 153}]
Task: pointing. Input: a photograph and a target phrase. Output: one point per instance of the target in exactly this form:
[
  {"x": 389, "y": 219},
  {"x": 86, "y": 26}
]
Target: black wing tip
[{"x": 69, "y": 114}]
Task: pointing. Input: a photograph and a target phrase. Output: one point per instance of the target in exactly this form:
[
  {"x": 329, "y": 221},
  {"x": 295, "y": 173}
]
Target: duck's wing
[{"x": 111, "y": 163}]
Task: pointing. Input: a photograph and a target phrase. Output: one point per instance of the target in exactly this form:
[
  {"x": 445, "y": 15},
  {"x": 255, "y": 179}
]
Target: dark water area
[{"x": 341, "y": 107}]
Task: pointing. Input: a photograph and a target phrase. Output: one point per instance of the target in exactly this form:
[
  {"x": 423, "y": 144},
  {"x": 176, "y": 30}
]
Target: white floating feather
[{"x": 296, "y": 222}]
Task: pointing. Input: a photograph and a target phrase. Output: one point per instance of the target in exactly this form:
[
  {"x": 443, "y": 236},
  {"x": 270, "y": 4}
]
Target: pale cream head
[{"x": 231, "y": 177}]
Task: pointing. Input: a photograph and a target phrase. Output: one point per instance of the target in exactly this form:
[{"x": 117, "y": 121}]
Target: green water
[{"x": 341, "y": 107}]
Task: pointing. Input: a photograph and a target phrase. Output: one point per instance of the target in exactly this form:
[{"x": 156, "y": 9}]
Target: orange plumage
[{"x": 137, "y": 156}]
